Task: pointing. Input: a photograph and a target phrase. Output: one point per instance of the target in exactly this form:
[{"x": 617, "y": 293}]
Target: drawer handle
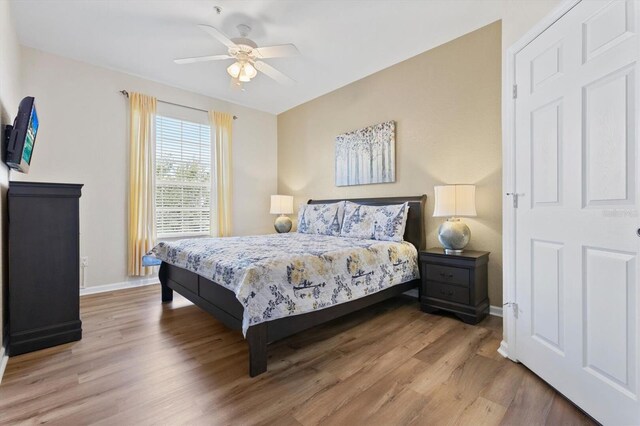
[
  {"x": 442, "y": 274},
  {"x": 446, "y": 293}
]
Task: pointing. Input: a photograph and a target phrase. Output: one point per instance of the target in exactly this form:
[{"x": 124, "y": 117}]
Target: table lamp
[
  {"x": 454, "y": 201},
  {"x": 282, "y": 205}
]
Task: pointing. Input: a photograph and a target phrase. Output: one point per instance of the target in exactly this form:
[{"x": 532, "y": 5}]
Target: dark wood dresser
[
  {"x": 455, "y": 282},
  {"x": 44, "y": 265}
]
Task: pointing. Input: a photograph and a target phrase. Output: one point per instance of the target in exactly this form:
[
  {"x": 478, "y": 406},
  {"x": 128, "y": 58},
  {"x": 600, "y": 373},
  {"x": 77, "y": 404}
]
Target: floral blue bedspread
[{"x": 280, "y": 275}]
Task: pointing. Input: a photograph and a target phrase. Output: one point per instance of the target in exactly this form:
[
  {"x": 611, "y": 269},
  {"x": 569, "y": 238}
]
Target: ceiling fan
[{"x": 247, "y": 56}]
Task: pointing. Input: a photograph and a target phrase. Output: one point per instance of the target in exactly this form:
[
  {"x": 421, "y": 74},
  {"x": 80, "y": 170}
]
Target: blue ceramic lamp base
[
  {"x": 282, "y": 224},
  {"x": 454, "y": 235}
]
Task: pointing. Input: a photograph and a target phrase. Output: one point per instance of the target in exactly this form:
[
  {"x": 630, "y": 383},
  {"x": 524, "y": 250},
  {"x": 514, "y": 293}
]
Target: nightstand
[{"x": 455, "y": 282}]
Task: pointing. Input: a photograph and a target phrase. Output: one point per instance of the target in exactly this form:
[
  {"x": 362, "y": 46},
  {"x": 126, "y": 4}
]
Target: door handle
[{"x": 515, "y": 196}]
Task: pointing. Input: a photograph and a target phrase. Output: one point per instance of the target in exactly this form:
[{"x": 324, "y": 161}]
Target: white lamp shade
[
  {"x": 249, "y": 70},
  {"x": 234, "y": 69},
  {"x": 455, "y": 200},
  {"x": 281, "y": 204}
]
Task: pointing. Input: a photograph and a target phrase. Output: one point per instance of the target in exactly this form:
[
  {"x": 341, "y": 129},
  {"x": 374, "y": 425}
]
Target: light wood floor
[{"x": 141, "y": 362}]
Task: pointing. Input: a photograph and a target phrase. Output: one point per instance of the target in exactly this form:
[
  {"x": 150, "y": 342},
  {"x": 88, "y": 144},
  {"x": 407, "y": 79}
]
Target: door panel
[
  {"x": 609, "y": 144},
  {"x": 545, "y": 66},
  {"x": 547, "y": 289},
  {"x": 546, "y": 136},
  {"x": 576, "y": 176},
  {"x": 610, "y": 334},
  {"x": 611, "y": 25}
]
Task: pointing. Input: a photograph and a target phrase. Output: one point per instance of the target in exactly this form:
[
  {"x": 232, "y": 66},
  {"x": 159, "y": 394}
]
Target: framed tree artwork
[{"x": 366, "y": 156}]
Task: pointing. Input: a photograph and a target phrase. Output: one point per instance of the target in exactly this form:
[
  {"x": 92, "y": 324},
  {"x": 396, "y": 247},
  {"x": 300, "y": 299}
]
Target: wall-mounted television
[{"x": 21, "y": 137}]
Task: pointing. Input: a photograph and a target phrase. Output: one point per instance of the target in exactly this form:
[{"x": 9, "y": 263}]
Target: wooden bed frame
[{"x": 223, "y": 305}]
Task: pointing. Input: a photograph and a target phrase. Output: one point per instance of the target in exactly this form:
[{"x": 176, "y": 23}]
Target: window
[{"x": 183, "y": 178}]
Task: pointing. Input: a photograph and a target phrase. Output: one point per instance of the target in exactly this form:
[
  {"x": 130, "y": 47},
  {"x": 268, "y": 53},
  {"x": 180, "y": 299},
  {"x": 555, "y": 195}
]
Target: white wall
[
  {"x": 83, "y": 138},
  {"x": 10, "y": 95},
  {"x": 519, "y": 16}
]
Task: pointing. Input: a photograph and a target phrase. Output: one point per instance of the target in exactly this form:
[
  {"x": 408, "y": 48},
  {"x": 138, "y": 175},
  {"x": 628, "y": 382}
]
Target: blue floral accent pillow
[
  {"x": 385, "y": 223},
  {"x": 323, "y": 219}
]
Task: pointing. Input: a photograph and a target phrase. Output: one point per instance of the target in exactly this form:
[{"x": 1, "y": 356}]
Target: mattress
[{"x": 280, "y": 275}]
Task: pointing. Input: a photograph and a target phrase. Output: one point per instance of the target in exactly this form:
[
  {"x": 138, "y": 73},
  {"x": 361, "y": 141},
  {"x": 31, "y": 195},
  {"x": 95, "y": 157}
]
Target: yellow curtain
[
  {"x": 221, "y": 133},
  {"x": 142, "y": 223}
]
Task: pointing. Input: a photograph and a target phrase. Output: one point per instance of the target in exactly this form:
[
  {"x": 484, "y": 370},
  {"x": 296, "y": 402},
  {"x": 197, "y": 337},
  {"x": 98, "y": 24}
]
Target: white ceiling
[{"x": 340, "y": 41}]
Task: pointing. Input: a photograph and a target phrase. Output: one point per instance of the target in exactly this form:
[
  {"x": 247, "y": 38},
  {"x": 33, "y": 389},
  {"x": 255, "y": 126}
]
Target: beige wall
[
  {"x": 83, "y": 138},
  {"x": 10, "y": 95},
  {"x": 446, "y": 104}
]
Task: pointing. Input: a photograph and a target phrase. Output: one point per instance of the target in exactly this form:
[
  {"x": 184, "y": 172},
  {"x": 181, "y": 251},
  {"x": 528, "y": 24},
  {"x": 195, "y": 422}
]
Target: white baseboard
[
  {"x": 493, "y": 310},
  {"x": 4, "y": 357},
  {"x": 504, "y": 349},
  {"x": 496, "y": 311},
  {"x": 119, "y": 286}
]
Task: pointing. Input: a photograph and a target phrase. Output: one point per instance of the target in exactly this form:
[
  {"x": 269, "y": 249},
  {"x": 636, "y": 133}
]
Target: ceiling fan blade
[
  {"x": 202, "y": 59},
  {"x": 279, "y": 51},
  {"x": 213, "y": 32},
  {"x": 274, "y": 73}
]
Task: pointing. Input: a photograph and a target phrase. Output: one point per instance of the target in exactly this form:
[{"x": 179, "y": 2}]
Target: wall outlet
[{"x": 84, "y": 261}]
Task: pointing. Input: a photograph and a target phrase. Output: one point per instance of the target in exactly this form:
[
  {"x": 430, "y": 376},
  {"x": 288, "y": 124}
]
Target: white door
[{"x": 576, "y": 156}]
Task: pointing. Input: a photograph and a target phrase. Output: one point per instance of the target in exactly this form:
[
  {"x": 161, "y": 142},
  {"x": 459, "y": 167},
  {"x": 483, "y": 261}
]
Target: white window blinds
[{"x": 183, "y": 178}]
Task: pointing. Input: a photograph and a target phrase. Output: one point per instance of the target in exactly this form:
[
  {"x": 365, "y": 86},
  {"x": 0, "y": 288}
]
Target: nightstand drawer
[
  {"x": 447, "y": 274},
  {"x": 448, "y": 292}
]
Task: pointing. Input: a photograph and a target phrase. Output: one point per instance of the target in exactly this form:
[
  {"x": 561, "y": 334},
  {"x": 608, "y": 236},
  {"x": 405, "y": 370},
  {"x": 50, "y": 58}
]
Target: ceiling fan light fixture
[
  {"x": 234, "y": 69},
  {"x": 249, "y": 70},
  {"x": 242, "y": 71}
]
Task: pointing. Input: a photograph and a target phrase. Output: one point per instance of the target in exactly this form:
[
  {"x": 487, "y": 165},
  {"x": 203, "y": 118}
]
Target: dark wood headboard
[{"x": 415, "y": 230}]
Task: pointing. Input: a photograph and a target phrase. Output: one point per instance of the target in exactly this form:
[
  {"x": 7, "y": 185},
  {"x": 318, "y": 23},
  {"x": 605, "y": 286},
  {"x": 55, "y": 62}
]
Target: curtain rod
[{"x": 125, "y": 93}]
